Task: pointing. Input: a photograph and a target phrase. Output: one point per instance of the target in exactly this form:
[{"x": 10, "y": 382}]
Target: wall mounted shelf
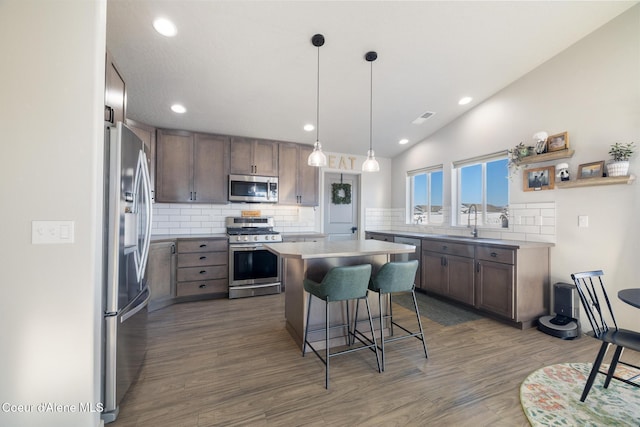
[
  {"x": 545, "y": 157},
  {"x": 589, "y": 182}
]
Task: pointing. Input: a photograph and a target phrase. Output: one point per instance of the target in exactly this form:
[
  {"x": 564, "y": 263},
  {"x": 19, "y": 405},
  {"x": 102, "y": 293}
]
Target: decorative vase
[{"x": 618, "y": 168}]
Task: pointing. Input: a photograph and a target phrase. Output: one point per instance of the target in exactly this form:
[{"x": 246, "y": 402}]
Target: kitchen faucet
[{"x": 474, "y": 233}]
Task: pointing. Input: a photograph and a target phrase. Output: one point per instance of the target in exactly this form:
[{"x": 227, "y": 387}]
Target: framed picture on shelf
[
  {"x": 557, "y": 142},
  {"x": 537, "y": 179},
  {"x": 591, "y": 170}
]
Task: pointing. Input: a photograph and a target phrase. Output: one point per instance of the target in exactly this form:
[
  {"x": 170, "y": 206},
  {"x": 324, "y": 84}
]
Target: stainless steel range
[{"x": 253, "y": 270}]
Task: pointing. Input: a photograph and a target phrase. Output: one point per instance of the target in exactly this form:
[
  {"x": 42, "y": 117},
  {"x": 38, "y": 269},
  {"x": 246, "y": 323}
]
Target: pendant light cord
[
  {"x": 371, "y": 110},
  {"x": 318, "y": 100}
]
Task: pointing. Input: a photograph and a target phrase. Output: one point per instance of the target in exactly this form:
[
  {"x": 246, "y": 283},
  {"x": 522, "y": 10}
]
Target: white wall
[
  {"x": 51, "y": 131},
  {"x": 591, "y": 90}
]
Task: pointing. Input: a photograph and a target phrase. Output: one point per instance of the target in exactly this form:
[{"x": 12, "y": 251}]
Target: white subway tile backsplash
[
  {"x": 528, "y": 222},
  {"x": 179, "y": 218}
]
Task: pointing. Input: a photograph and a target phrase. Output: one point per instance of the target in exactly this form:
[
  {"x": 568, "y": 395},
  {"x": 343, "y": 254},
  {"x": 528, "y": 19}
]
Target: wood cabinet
[
  {"x": 254, "y": 157},
  {"x": 115, "y": 93},
  {"x": 513, "y": 283},
  {"x": 202, "y": 267},
  {"x": 447, "y": 269},
  {"x": 160, "y": 274},
  {"x": 191, "y": 167},
  {"x": 378, "y": 236},
  {"x": 298, "y": 183},
  {"x": 495, "y": 281}
]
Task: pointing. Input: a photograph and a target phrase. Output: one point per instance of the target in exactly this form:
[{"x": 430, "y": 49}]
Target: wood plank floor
[{"x": 231, "y": 362}]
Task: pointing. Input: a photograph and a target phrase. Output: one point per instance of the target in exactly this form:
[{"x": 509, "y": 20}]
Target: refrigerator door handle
[
  {"x": 128, "y": 314},
  {"x": 146, "y": 181},
  {"x": 142, "y": 188}
]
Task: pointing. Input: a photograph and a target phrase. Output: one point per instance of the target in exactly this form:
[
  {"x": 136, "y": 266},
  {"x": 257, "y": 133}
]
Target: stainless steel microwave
[{"x": 252, "y": 188}]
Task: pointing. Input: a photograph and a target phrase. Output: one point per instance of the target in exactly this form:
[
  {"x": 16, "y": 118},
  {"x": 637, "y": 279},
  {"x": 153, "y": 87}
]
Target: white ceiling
[{"x": 248, "y": 67}]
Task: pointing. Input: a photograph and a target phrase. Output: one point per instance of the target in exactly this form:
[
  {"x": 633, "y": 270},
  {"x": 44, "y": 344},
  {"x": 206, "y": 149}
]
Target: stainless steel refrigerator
[{"x": 127, "y": 235}]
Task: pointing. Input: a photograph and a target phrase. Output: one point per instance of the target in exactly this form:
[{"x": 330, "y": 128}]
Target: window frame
[
  {"x": 410, "y": 193},
  {"x": 456, "y": 174}
]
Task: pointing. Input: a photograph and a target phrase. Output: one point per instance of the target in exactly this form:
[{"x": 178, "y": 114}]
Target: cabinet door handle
[
  {"x": 195, "y": 197},
  {"x": 173, "y": 249},
  {"x": 203, "y": 271},
  {"x": 204, "y": 245},
  {"x": 494, "y": 255},
  {"x": 202, "y": 286},
  {"x": 203, "y": 257},
  {"x": 446, "y": 262},
  {"x": 478, "y": 268},
  {"x": 190, "y": 195}
]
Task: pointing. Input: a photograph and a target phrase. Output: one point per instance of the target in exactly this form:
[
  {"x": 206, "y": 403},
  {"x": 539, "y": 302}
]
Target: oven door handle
[{"x": 245, "y": 248}]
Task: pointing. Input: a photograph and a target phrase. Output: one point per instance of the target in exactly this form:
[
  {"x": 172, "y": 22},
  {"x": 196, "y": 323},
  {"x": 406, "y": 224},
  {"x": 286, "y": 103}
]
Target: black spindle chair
[{"x": 597, "y": 307}]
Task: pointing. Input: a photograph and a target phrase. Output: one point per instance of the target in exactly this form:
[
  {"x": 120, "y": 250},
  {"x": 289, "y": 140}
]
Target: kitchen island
[{"x": 313, "y": 260}]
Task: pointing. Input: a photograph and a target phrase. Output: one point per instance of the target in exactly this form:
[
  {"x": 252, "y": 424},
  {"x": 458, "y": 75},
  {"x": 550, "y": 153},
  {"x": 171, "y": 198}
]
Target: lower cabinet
[
  {"x": 510, "y": 283},
  {"x": 447, "y": 269},
  {"x": 161, "y": 274},
  {"x": 494, "y": 287},
  {"x": 203, "y": 267},
  {"x": 513, "y": 283}
]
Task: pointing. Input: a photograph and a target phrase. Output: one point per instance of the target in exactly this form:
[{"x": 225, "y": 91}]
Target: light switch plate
[
  {"x": 52, "y": 232},
  {"x": 583, "y": 221}
]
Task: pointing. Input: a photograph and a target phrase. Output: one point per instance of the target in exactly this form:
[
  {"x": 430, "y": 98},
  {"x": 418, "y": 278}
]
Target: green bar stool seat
[
  {"x": 341, "y": 284},
  {"x": 392, "y": 278}
]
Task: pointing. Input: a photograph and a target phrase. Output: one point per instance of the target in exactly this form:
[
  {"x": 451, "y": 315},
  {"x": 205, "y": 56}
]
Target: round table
[{"x": 630, "y": 296}]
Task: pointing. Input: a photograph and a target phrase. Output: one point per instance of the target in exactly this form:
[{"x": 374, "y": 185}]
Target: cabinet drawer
[
  {"x": 202, "y": 287},
  {"x": 459, "y": 249},
  {"x": 188, "y": 274},
  {"x": 202, "y": 258},
  {"x": 379, "y": 236},
  {"x": 503, "y": 255},
  {"x": 205, "y": 245}
]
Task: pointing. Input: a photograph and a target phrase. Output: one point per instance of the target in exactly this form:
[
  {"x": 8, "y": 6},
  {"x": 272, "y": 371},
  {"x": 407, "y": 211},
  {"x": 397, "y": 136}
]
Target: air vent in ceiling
[{"x": 423, "y": 118}]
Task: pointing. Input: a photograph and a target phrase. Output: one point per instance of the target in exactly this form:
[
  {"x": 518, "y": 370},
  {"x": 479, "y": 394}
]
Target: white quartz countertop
[{"x": 331, "y": 249}]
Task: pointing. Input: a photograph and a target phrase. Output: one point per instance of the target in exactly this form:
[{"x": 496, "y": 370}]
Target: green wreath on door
[{"x": 341, "y": 194}]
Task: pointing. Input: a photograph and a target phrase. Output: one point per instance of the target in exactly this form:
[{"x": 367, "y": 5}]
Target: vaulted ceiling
[{"x": 249, "y": 68}]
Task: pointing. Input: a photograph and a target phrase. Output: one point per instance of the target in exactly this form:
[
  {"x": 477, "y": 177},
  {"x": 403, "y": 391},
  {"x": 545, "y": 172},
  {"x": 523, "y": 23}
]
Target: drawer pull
[
  {"x": 444, "y": 248},
  {"x": 202, "y": 286},
  {"x": 478, "y": 268},
  {"x": 203, "y": 271},
  {"x": 203, "y": 257},
  {"x": 494, "y": 255},
  {"x": 204, "y": 245}
]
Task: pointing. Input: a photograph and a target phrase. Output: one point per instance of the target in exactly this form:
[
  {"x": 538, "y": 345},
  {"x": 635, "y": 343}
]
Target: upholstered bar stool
[
  {"x": 392, "y": 278},
  {"x": 340, "y": 284}
]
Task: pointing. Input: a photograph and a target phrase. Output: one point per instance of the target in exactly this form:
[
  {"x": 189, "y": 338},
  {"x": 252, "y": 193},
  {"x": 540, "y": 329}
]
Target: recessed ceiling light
[
  {"x": 177, "y": 108},
  {"x": 309, "y": 127},
  {"x": 465, "y": 100},
  {"x": 403, "y": 141},
  {"x": 165, "y": 27}
]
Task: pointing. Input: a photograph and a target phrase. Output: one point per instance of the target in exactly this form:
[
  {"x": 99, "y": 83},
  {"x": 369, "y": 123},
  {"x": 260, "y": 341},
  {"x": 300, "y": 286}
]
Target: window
[
  {"x": 425, "y": 196},
  {"x": 482, "y": 182}
]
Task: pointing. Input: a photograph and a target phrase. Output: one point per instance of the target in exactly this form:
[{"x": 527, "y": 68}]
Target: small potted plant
[
  {"x": 620, "y": 154},
  {"x": 516, "y": 154}
]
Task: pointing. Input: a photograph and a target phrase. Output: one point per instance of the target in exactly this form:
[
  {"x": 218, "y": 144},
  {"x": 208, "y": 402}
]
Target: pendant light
[
  {"x": 317, "y": 157},
  {"x": 371, "y": 164}
]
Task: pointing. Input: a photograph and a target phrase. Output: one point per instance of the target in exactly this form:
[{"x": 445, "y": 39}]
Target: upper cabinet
[
  {"x": 254, "y": 157},
  {"x": 191, "y": 168},
  {"x": 297, "y": 181},
  {"x": 115, "y": 95}
]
